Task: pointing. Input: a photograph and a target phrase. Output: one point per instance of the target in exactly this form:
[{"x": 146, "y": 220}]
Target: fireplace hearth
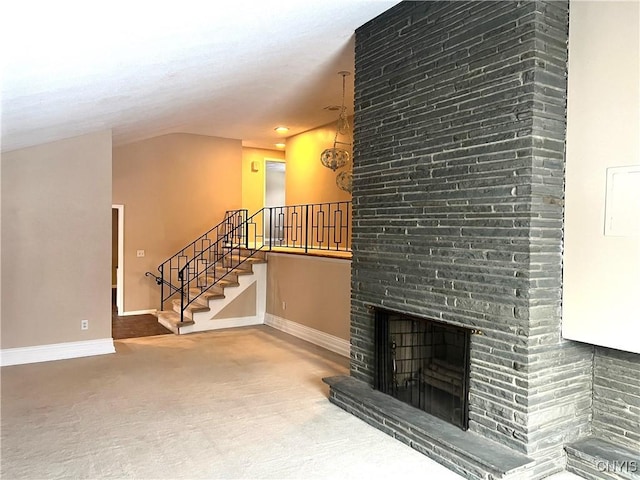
[{"x": 423, "y": 363}]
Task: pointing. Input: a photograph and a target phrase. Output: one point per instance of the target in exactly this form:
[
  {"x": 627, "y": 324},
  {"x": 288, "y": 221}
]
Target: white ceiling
[{"x": 232, "y": 69}]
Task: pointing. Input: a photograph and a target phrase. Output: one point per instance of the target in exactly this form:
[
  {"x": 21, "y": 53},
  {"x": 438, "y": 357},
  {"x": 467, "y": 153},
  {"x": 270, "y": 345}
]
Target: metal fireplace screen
[{"x": 423, "y": 363}]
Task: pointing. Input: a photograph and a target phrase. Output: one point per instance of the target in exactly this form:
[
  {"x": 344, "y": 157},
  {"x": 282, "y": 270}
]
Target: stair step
[
  {"x": 171, "y": 320},
  {"x": 256, "y": 254},
  {"x": 225, "y": 282},
  {"x": 195, "y": 307},
  {"x": 213, "y": 294},
  {"x": 247, "y": 252},
  {"x": 236, "y": 271},
  {"x": 221, "y": 274},
  {"x": 254, "y": 259},
  {"x": 244, "y": 262}
]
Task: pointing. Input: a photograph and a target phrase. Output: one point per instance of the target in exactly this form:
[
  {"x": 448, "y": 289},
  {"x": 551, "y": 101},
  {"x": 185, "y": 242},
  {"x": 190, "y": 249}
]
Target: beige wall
[
  {"x": 316, "y": 291},
  {"x": 308, "y": 181},
  {"x": 601, "y": 273},
  {"x": 0, "y": 248},
  {"x": 244, "y": 305},
  {"x": 56, "y": 242},
  {"x": 173, "y": 188}
]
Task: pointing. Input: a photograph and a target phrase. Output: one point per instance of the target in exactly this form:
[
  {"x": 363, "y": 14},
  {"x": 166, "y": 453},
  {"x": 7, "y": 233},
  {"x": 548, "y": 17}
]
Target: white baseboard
[
  {"x": 220, "y": 323},
  {"x": 152, "y": 311},
  {"x": 55, "y": 351},
  {"x": 311, "y": 335}
]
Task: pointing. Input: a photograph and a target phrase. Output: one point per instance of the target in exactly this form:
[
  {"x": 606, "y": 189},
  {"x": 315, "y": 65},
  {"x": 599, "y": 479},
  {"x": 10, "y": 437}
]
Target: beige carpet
[{"x": 242, "y": 403}]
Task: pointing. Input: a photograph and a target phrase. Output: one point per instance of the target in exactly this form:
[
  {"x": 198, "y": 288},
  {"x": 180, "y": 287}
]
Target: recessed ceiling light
[
  {"x": 281, "y": 129},
  {"x": 280, "y": 145}
]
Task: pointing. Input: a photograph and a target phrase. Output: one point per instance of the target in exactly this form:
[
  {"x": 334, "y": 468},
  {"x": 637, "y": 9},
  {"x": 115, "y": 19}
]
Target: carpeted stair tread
[
  {"x": 225, "y": 282},
  {"x": 213, "y": 294},
  {"x": 171, "y": 320},
  {"x": 220, "y": 275},
  {"x": 194, "y": 307},
  {"x": 253, "y": 259},
  {"x": 243, "y": 259},
  {"x": 247, "y": 252},
  {"x": 233, "y": 271}
]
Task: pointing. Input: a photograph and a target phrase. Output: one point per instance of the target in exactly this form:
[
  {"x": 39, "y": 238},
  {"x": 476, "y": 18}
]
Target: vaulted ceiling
[{"x": 145, "y": 68}]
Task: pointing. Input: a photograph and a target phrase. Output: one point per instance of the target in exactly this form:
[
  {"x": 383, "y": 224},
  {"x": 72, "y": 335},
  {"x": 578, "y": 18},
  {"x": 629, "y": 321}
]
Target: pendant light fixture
[
  {"x": 344, "y": 181},
  {"x": 336, "y": 157}
]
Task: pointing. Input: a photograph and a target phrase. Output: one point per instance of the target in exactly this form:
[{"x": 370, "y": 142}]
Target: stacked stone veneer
[
  {"x": 458, "y": 205},
  {"x": 616, "y": 397}
]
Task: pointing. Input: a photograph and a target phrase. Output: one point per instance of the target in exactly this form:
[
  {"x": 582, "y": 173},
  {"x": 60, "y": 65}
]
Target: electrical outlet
[
  {"x": 284, "y": 305},
  {"x": 84, "y": 325},
  {"x": 140, "y": 253}
]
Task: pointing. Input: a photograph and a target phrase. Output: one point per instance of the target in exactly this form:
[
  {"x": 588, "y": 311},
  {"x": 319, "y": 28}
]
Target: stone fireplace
[
  {"x": 460, "y": 113},
  {"x": 423, "y": 363}
]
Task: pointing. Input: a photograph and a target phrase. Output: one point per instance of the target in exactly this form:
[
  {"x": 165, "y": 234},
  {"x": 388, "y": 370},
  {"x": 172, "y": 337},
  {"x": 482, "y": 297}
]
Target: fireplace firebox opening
[{"x": 424, "y": 363}]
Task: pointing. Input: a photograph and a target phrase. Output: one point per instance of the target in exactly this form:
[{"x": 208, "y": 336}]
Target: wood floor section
[{"x": 135, "y": 326}]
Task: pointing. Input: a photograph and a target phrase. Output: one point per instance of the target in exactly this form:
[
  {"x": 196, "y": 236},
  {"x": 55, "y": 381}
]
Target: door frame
[
  {"x": 272, "y": 160},
  {"x": 120, "y": 267},
  {"x": 266, "y": 161}
]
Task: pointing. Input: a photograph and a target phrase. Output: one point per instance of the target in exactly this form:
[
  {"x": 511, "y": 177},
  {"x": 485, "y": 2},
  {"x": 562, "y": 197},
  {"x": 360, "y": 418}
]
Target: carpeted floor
[{"x": 242, "y": 403}]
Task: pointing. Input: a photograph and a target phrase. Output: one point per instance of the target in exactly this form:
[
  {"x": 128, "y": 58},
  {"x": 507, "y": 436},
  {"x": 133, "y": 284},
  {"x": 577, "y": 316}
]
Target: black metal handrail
[
  {"x": 313, "y": 226},
  {"x": 168, "y": 279},
  {"x": 320, "y": 226}
]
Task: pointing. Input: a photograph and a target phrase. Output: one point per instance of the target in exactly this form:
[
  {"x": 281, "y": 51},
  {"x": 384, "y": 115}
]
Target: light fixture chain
[{"x": 335, "y": 158}]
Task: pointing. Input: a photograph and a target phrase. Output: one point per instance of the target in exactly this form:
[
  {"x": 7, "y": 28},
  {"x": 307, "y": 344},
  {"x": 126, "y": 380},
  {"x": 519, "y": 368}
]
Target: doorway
[
  {"x": 117, "y": 257},
  {"x": 274, "y": 193}
]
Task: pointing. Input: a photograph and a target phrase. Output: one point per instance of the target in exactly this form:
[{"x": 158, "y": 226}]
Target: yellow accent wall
[
  {"x": 253, "y": 182},
  {"x": 307, "y": 180}
]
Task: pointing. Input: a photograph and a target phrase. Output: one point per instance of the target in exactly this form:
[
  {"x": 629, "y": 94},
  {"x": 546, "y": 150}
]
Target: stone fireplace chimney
[{"x": 459, "y": 137}]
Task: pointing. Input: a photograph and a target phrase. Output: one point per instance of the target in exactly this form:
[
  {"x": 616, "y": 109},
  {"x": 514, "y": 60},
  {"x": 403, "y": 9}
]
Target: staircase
[
  {"x": 225, "y": 267},
  {"x": 201, "y": 282},
  {"x": 210, "y": 297}
]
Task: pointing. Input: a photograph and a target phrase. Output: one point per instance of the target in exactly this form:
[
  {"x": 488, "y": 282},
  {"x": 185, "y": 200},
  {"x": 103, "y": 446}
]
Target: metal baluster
[
  {"x": 271, "y": 220},
  {"x": 306, "y": 229}
]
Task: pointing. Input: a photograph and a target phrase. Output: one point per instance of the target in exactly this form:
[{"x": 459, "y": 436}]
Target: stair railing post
[
  {"x": 181, "y": 295},
  {"x": 271, "y": 219},
  {"x": 306, "y": 228},
  {"x": 161, "y": 268},
  {"x": 245, "y": 227}
]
